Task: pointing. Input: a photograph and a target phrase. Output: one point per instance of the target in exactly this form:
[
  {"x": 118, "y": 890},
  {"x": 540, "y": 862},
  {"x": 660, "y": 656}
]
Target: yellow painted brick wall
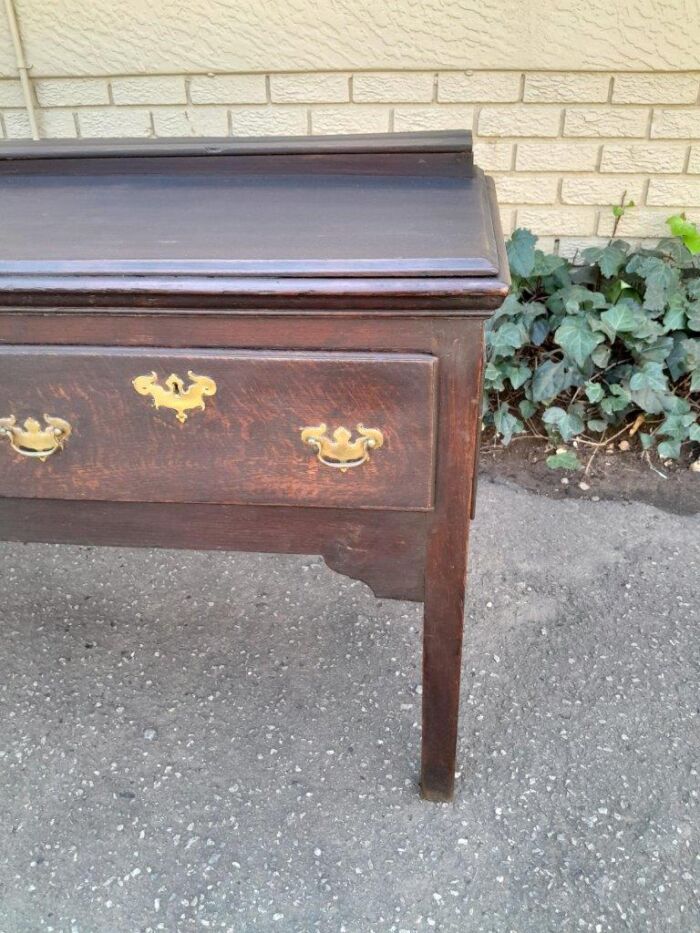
[{"x": 562, "y": 146}]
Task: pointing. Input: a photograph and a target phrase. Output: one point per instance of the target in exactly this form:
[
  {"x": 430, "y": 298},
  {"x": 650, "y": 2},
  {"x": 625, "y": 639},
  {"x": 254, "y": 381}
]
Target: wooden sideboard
[{"x": 264, "y": 345}]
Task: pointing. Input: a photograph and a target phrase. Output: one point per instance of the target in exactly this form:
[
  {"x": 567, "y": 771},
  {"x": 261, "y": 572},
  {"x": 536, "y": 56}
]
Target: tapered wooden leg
[
  {"x": 442, "y": 661},
  {"x": 446, "y": 560}
]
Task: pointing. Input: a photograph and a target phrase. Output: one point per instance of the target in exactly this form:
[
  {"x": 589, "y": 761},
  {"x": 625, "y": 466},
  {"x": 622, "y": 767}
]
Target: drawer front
[{"x": 230, "y": 427}]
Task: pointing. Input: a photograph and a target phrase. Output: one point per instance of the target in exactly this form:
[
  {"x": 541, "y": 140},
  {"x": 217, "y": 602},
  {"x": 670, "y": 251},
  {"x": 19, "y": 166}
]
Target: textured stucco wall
[
  {"x": 68, "y": 37},
  {"x": 572, "y": 103}
]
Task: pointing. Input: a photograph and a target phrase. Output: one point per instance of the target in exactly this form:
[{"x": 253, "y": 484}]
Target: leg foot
[{"x": 442, "y": 662}]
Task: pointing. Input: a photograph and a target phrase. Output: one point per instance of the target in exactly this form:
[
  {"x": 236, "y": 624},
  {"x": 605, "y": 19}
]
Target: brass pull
[
  {"x": 174, "y": 394},
  {"x": 31, "y": 440},
  {"x": 338, "y": 451}
]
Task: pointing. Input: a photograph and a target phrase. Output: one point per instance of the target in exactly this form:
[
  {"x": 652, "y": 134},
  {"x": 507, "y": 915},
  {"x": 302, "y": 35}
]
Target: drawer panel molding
[{"x": 302, "y": 428}]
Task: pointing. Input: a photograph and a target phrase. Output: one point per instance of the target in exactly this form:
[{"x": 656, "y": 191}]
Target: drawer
[{"x": 220, "y": 426}]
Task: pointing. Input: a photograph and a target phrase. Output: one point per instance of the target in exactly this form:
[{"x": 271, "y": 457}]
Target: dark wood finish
[
  {"x": 245, "y": 447},
  {"x": 346, "y": 285},
  {"x": 446, "y": 566},
  {"x": 123, "y": 234},
  {"x": 366, "y": 146},
  {"x": 385, "y": 227},
  {"x": 386, "y": 550},
  {"x": 443, "y": 154}
]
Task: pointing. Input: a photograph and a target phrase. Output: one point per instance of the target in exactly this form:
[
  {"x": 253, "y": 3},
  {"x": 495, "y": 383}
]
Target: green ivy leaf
[
  {"x": 617, "y": 401},
  {"x": 574, "y": 298},
  {"x": 575, "y": 337},
  {"x": 674, "y": 318},
  {"x": 694, "y": 316},
  {"x": 506, "y": 424},
  {"x": 649, "y": 388},
  {"x": 518, "y": 375},
  {"x": 676, "y": 405},
  {"x": 601, "y": 356},
  {"x": 566, "y": 423},
  {"x": 527, "y": 408},
  {"x": 504, "y": 339},
  {"x": 594, "y": 391},
  {"x": 597, "y": 425},
  {"x": 540, "y": 331},
  {"x": 694, "y": 432},
  {"x": 655, "y": 352},
  {"x": 622, "y": 318},
  {"x": 549, "y": 380},
  {"x": 661, "y": 279},
  {"x": 609, "y": 259},
  {"x": 521, "y": 252},
  {"x": 547, "y": 265},
  {"x": 677, "y": 359},
  {"x": 690, "y": 348},
  {"x": 687, "y": 231},
  {"x": 511, "y": 307},
  {"x": 494, "y": 376},
  {"x": 563, "y": 461},
  {"x": 676, "y": 425},
  {"x": 669, "y": 450}
]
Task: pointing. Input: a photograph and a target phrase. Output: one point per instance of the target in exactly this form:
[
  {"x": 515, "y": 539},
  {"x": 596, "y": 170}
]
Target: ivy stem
[{"x": 602, "y": 443}]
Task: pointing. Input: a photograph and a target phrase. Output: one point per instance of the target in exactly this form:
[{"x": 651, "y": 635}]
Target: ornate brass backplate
[
  {"x": 339, "y": 451},
  {"x": 173, "y": 393},
  {"x": 33, "y": 440}
]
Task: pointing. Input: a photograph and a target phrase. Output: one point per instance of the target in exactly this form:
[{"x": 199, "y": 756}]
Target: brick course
[
  {"x": 570, "y": 88},
  {"x": 519, "y": 120},
  {"x": 228, "y": 89},
  {"x": 397, "y": 87},
  {"x": 606, "y": 121},
  {"x": 149, "y": 90},
  {"x": 71, "y": 92},
  {"x": 474, "y": 87},
  {"x": 656, "y": 88},
  {"x": 449, "y": 116},
  {"x": 311, "y": 88},
  {"x": 191, "y": 121}
]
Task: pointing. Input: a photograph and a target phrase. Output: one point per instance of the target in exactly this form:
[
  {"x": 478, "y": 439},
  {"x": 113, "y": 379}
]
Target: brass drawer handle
[
  {"x": 174, "y": 394},
  {"x": 338, "y": 451},
  {"x": 31, "y": 440}
]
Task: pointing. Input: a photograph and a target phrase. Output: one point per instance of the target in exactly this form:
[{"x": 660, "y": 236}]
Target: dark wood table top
[{"x": 406, "y": 206}]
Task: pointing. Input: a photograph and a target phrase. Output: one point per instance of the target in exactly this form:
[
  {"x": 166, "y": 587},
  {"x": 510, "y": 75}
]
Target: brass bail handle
[
  {"x": 34, "y": 440},
  {"x": 339, "y": 451}
]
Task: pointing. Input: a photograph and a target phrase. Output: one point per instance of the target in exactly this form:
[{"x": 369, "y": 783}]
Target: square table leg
[{"x": 446, "y": 561}]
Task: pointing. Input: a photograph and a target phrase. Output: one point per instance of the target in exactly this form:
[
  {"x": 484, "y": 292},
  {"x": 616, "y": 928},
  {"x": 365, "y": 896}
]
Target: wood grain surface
[
  {"x": 250, "y": 221},
  {"x": 386, "y": 550},
  {"x": 245, "y": 447},
  {"x": 337, "y": 281}
]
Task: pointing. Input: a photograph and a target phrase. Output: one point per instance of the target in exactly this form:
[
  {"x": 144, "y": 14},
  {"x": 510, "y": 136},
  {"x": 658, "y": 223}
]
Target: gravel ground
[{"x": 196, "y": 741}]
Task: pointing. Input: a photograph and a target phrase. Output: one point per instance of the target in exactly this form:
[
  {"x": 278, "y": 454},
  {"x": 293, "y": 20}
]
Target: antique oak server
[{"x": 270, "y": 345}]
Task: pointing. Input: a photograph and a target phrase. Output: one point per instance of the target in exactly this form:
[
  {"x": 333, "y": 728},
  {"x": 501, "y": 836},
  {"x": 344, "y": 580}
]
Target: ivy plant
[{"x": 582, "y": 352}]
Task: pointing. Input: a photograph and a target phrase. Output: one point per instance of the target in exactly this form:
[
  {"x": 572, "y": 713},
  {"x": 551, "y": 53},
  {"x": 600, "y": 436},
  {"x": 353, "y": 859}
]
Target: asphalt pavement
[{"x": 204, "y": 741}]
